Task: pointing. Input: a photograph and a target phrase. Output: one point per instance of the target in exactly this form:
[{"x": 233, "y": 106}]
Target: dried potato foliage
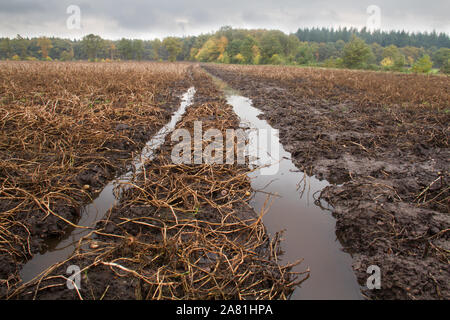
[
  {"x": 66, "y": 129},
  {"x": 179, "y": 232},
  {"x": 365, "y": 88},
  {"x": 385, "y": 138}
]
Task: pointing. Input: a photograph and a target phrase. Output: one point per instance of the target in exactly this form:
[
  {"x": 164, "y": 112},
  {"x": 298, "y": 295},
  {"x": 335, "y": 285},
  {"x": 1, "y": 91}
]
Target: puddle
[
  {"x": 61, "y": 249},
  {"x": 310, "y": 229}
]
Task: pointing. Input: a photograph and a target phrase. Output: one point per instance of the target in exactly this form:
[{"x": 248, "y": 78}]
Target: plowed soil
[
  {"x": 66, "y": 130},
  {"x": 178, "y": 232},
  {"x": 382, "y": 140}
]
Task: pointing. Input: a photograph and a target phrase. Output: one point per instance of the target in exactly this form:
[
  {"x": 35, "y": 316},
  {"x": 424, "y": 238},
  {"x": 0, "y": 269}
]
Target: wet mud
[
  {"x": 387, "y": 158},
  {"x": 39, "y": 209},
  {"x": 178, "y": 231}
]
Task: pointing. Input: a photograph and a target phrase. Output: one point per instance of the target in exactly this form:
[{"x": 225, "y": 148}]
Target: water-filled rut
[
  {"x": 61, "y": 249},
  {"x": 309, "y": 227}
]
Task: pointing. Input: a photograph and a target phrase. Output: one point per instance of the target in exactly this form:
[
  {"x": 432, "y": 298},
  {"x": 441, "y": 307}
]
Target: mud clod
[{"x": 383, "y": 141}]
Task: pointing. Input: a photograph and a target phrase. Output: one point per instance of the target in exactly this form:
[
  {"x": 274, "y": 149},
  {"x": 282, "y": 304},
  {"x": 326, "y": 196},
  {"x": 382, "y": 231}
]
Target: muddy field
[
  {"x": 178, "y": 231},
  {"x": 187, "y": 231},
  {"x": 382, "y": 140},
  {"x": 66, "y": 129}
]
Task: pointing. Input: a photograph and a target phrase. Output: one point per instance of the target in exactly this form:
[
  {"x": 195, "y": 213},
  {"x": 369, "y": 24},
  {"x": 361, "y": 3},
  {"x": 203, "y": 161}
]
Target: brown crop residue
[
  {"x": 66, "y": 129},
  {"x": 179, "y": 232},
  {"x": 385, "y": 138}
]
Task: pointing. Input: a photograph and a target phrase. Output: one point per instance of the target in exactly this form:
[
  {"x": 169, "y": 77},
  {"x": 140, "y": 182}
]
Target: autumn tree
[
  {"x": 239, "y": 58},
  {"x": 393, "y": 53},
  {"x": 256, "y": 55},
  {"x": 213, "y": 50},
  {"x": 45, "y": 44},
  {"x": 222, "y": 44}
]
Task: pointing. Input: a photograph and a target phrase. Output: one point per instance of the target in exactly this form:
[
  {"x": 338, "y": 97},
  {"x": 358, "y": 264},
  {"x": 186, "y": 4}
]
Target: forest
[{"x": 333, "y": 48}]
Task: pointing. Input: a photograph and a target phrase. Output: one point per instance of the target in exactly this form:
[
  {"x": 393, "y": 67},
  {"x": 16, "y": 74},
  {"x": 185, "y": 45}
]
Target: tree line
[
  {"x": 383, "y": 38},
  {"x": 347, "y": 48}
]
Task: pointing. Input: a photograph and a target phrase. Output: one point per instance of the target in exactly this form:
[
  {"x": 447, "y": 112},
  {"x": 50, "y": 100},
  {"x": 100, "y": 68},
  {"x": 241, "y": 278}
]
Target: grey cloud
[
  {"x": 20, "y": 7},
  {"x": 158, "y": 18}
]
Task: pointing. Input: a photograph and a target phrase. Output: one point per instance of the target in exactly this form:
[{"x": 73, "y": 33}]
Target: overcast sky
[{"x": 114, "y": 19}]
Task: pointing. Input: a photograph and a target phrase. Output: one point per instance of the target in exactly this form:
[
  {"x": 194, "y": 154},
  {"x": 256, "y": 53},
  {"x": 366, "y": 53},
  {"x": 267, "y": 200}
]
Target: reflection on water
[
  {"x": 310, "y": 230},
  {"x": 61, "y": 249}
]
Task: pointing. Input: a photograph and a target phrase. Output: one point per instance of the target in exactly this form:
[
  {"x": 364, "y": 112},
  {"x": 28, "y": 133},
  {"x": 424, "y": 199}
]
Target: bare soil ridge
[
  {"x": 66, "y": 130},
  {"x": 383, "y": 140},
  {"x": 178, "y": 232}
]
